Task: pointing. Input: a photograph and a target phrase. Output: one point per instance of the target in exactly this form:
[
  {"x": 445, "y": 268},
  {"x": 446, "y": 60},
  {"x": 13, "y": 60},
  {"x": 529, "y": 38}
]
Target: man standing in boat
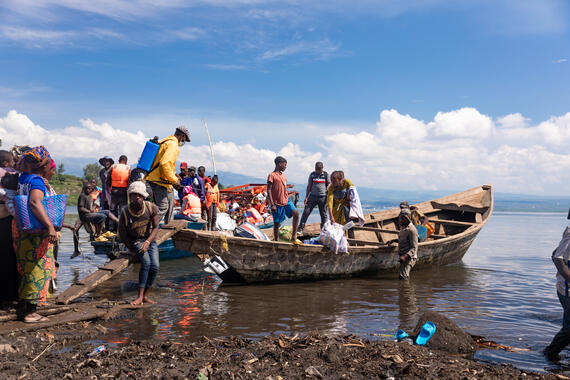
[
  {"x": 162, "y": 175},
  {"x": 316, "y": 195},
  {"x": 407, "y": 244},
  {"x": 561, "y": 259},
  {"x": 278, "y": 199},
  {"x": 138, "y": 226}
]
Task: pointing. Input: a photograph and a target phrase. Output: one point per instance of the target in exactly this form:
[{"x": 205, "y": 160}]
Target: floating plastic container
[{"x": 147, "y": 157}]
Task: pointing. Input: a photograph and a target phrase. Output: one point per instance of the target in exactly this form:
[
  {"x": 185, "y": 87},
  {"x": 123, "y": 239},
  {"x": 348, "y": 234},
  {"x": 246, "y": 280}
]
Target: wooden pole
[{"x": 211, "y": 147}]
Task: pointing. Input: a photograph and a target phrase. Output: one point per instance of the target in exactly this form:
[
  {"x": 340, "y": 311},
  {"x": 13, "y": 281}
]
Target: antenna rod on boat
[{"x": 211, "y": 147}]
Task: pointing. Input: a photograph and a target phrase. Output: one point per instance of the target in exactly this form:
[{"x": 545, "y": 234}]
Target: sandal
[{"x": 35, "y": 318}]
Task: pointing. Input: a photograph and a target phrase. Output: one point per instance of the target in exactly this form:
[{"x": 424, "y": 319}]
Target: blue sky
[{"x": 269, "y": 73}]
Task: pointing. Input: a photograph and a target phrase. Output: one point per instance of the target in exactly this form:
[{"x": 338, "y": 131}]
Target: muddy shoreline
[{"x": 60, "y": 352}]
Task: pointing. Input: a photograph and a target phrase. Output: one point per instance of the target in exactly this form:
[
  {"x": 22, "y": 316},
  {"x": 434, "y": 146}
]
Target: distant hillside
[
  {"x": 68, "y": 184},
  {"x": 385, "y": 198}
]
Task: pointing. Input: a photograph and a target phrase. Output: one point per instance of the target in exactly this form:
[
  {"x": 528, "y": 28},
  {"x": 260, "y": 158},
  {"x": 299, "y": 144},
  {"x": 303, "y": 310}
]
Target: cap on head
[
  {"x": 137, "y": 187},
  {"x": 183, "y": 165},
  {"x": 279, "y": 159},
  {"x": 188, "y": 189},
  {"x": 192, "y": 168},
  {"x": 404, "y": 205},
  {"x": 183, "y": 131}
]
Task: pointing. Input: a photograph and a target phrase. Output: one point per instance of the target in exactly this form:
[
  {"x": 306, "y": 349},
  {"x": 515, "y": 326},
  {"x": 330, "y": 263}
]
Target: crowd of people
[{"x": 132, "y": 202}]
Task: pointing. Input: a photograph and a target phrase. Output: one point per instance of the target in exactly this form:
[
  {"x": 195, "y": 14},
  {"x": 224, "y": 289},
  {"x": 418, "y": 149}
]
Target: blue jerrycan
[{"x": 148, "y": 154}]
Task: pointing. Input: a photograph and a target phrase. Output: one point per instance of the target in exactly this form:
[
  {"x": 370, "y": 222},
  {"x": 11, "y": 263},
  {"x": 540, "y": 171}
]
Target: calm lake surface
[{"x": 504, "y": 289}]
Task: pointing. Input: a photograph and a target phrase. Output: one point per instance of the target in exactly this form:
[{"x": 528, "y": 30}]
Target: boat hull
[
  {"x": 265, "y": 262},
  {"x": 457, "y": 218}
]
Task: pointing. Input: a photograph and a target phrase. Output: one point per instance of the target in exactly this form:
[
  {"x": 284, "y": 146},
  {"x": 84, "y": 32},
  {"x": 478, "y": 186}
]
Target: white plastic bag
[
  {"x": 333, "y": 237},
  {"x": 224, "y": 222}
]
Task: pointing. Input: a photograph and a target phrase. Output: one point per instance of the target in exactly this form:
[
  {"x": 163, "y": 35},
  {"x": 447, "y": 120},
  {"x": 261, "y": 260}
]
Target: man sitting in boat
[
  {"x": 407, "y": 243},
  {"x": 278, "y": 199},
  {"x": 191, "y": 207},
  {"x": 342, "y": 200},
  {"x": 138, "y": 226},
  {"x": 88, "y": 213}
]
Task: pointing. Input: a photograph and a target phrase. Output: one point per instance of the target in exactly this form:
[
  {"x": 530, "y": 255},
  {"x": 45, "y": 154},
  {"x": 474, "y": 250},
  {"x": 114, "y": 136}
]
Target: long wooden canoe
[{"x": 457, "y": 218}]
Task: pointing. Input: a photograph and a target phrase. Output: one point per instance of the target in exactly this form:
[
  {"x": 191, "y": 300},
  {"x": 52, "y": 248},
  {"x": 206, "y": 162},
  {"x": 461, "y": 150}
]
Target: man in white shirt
[{"x": 561, "y": 259}]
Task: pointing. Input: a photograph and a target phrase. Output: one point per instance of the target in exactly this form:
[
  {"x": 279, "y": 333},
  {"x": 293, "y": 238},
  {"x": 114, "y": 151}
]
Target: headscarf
[
  {"x": 188, "y": 190},
  {"x": 52, "y": 164},
  {"x": 36, "y": 157}
]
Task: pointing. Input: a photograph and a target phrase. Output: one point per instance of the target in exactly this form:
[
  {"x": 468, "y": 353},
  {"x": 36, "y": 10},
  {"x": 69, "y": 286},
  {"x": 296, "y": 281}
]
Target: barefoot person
[
  {"x": 138, "y": 226},
  {"x": 278, "y": 199}
]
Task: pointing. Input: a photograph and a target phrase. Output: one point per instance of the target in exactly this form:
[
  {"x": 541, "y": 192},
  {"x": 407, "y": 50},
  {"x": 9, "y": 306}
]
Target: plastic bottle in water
[{"x": 97, "y": 351}]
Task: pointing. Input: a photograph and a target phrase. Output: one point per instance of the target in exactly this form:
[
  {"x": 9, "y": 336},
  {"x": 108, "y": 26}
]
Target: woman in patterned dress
[{"x": 34, "y": 251}]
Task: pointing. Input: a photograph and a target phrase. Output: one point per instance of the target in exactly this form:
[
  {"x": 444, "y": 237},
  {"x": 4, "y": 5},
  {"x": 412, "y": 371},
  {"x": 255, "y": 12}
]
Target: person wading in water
[{"x": 138, "y": 226}]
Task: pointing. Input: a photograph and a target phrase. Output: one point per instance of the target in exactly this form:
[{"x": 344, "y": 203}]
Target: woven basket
[{"x": 27, "y": 221}]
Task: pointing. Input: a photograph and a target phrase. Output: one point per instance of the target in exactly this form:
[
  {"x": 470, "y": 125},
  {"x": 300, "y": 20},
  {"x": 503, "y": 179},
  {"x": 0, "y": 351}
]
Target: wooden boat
[
  {"x": 457, "y": 220},
  {"x": 166, "y": 250}
]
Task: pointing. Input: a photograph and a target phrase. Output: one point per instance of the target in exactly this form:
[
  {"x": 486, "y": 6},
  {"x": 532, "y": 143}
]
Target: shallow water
[{"x": 504, "y": 290}]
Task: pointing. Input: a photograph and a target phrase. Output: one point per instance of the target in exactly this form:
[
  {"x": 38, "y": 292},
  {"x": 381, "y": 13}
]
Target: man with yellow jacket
[{"x": 162, "y": 175}]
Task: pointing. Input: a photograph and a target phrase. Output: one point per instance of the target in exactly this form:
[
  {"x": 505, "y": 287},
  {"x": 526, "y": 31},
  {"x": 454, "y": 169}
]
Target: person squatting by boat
[{"x": 138, "y": 226}]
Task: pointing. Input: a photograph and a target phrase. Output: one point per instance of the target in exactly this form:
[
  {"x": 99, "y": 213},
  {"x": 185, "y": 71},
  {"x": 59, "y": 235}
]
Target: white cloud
[
  {"x": 319, "y": 49},
  {"x": 561, "y": 60},
  {"x": 465, "y": 122},
  {"x": 510, "y": 152}
]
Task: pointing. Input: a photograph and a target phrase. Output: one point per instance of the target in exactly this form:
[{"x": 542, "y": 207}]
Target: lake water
[{"x": 504, "y": 289}]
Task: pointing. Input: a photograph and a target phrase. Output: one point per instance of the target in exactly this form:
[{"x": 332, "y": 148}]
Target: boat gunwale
[{"x": 475, "y": 228}]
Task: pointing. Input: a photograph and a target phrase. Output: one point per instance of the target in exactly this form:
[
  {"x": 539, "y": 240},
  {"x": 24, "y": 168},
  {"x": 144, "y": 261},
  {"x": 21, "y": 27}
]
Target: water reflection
[{"x": 503, "y": 290}]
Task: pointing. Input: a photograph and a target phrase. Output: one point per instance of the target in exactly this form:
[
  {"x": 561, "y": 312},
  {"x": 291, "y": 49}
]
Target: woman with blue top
[{"x": 34, "y": 251}]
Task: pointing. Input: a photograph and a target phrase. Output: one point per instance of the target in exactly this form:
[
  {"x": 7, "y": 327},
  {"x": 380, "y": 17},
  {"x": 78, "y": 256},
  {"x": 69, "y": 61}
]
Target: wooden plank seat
[{"x": 452, "y": 222}]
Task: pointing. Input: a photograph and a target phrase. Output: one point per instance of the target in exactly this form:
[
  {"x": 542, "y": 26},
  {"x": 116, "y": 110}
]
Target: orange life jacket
[
  {"x": 94, "y": 195},
  {"x": 255, "y": 216},
  {"x": 212, "y": 194},
  {"x": 191, "y": 204},
  {"x": 120, "y": 175}
]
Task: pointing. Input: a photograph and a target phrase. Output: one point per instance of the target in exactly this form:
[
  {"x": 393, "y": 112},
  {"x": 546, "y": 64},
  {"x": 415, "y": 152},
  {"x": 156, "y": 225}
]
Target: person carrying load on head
[
  {"x": 118, "y": 182},
  {"x": 278, "y": 199},
  {"x": 343, "y": 202},
  {"x": 212, "y": 202},
  {"x": 316, "y": 195},
  {"x": 107, "y": 162},
  {"x": 138, "y": 227},
  {"x": 191, "y": 207},
  {"x": 162, "y": 175}
]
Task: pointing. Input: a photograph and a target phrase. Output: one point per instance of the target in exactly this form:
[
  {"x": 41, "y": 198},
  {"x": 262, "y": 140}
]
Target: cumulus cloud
[{"x": 456, "y": 150}]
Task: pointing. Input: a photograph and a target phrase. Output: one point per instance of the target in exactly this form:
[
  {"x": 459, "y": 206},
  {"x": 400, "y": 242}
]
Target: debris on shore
[{"x": 59, "y": 353}]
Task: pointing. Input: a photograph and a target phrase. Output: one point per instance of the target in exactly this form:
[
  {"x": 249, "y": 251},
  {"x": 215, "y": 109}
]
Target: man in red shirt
[{"x": 278, "y": 199}]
